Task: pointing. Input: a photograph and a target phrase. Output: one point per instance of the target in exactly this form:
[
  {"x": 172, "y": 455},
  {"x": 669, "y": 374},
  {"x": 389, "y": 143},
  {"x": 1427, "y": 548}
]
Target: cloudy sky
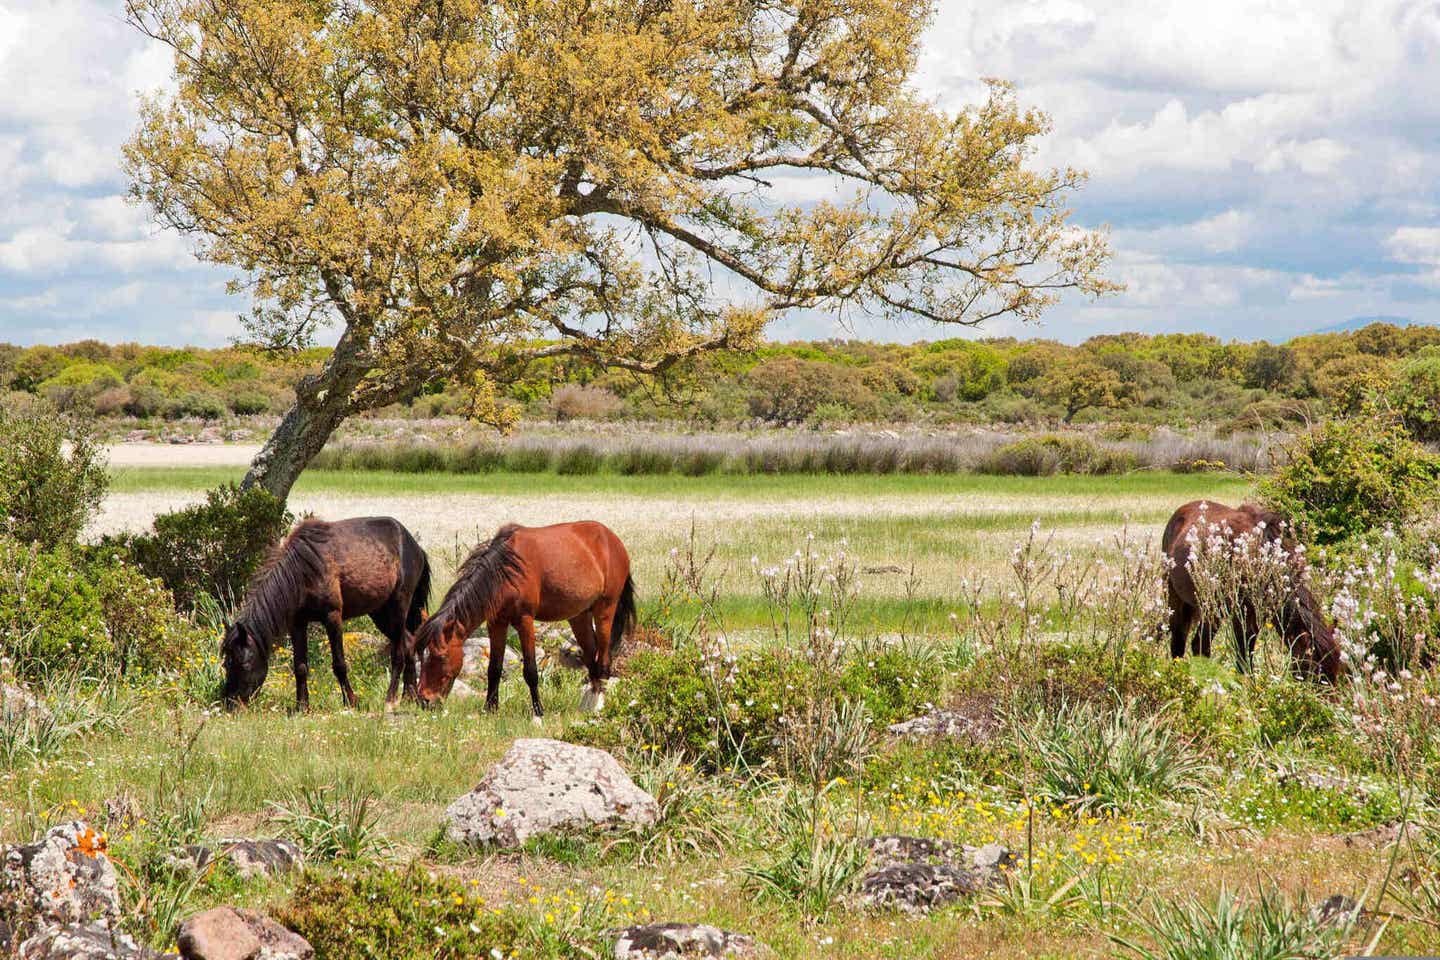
[{"x": 1267, "y": 168}]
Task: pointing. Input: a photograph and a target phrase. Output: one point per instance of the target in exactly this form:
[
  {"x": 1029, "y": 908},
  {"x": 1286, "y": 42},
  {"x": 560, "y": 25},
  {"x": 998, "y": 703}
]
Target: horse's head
[
  {"x": 247, "y": 660},
  {"x": 1310, "y": 636},
  {"x": 441, "y": 644}
]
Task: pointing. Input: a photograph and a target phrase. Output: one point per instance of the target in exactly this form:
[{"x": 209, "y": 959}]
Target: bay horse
[
  {"x": 1307, "y": 633},
  {"x": 328, "y": 573},
  {"x": 578, "y": 572}
]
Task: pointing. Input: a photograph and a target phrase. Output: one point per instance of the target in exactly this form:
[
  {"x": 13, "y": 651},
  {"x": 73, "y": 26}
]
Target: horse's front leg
[
  {"x": 526, "y": 629},
  {"x": 1246, "y": 626},
  {"x": 334, "y": 628},
  {"x": 498, "y": 629},
  {"x": 300, "y": 646}
]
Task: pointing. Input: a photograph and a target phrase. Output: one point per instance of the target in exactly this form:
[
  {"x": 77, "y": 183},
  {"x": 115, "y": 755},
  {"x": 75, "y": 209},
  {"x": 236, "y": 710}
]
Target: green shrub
[
  {"x": 398, "y": 915},
  {"x": 527, "y": 459},
  {"x": 52, "y": 475},
  {"x": 579, "y": 460},
  {"x": 211, "y": 548},
  {"x": 1348, "y": 477},
  {"x": 63, "y": 612},
  {"x": 895, "y": 683},
  {"x": 1055, "y": 453},
  {"x": 1287, "y": 709},
  {"x": 1416, "y": 394}
]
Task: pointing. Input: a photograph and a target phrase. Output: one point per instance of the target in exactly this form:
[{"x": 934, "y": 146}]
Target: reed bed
[{"x": 699, "y": 455}]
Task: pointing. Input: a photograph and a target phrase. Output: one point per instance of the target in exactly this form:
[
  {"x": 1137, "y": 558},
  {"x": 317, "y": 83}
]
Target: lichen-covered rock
[
  {"x": 972, "y": 720},
  {"x": 918, "y": 874},
  {"x": 541, "y": 786},
  {"x": 16, "y": 700},
  {"x": 682, "y": 941},
  {"x": 250, "y": 858},
  {"x": 64, "y": 878},
  {"x": 233, "y": 933},
  {"x": 93, "y": 941}
]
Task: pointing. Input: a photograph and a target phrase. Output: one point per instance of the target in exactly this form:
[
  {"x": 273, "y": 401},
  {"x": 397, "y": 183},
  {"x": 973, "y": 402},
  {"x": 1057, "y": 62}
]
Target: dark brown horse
[
  {"x": 578, "y": 572},
  {"x": 1302, "y": 622},
  {"x": 328, "y": 573}
]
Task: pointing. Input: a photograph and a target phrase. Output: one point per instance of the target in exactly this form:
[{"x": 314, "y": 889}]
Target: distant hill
[{"x": 1356, "y": 323}]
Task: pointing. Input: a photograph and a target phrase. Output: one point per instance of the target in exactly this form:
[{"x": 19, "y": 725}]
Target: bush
[
  {"x": 1416, "y": 394},
  {"x": 579, "y": 460},
  {"x": 399, "y": 915},
  {"x": 211, "y": 548},
  {"x": 61, "y": 611},
  {"x": 575, "y": 402},
  {"x": 52, "y": 475},
  {"x": 1054, "y": 453},
  {"x": 1348, "y": 477}
]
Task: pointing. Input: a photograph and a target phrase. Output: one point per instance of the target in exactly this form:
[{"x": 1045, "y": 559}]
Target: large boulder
[
  {"x": 541, "y": 786},
  {"x": 92, "y": 941},
  {"x": 917, "y": 874},
  {"x": 683, "y": 941},
  {"x": 233, "y": 933},
  {"x": 64, "y": 878},
  {"x": 250, "y": 858}
]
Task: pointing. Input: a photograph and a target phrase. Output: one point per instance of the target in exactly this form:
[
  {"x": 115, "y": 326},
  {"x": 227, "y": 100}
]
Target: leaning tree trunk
[{"x": 322, "y": 402}]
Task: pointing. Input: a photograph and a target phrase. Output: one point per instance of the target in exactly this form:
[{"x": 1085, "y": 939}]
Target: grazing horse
[
  {"x": 330, "y": 573},
  {"x": 578, "y": 572},
  {"x": 1303, "y": 625}
]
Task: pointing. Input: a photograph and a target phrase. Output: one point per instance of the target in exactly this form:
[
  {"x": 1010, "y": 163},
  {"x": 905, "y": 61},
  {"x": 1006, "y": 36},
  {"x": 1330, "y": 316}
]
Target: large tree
[{"x": 462, "y": 187}]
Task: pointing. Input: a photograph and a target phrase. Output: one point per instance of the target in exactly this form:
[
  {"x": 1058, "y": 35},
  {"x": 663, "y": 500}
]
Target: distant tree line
[{"x": 1168, "y": 378}]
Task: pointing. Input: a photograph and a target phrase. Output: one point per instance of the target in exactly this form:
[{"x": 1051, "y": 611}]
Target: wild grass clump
[
  {"x": 1050, "y": 454},
  {"x": 1109, "y": 761},
  {"x": 339, "y": 822},
  {"x": 817, "y": 858},
  {"x": 1230, "y": 928}
]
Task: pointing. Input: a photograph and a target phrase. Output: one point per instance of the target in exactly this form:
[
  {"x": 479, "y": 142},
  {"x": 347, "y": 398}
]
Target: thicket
[{"x": 1169, "y": 378}]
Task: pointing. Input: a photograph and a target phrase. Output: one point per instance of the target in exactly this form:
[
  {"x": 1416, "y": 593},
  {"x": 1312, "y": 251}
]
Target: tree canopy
[{"x": 461, "y": 188}]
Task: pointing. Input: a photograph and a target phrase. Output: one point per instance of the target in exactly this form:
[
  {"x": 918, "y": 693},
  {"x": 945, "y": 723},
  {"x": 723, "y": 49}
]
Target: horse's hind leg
[
  {"x": 392, "y": 624},
  {"x": 334, "y": 628},
  {"x": 526, "y": 628},
  {"x": 584, "y": 631},
  {"x": 604, "y": 615}
]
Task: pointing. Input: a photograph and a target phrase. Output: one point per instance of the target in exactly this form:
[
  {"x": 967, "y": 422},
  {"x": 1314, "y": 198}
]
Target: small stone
[
  {"x": 542, "y": 786},
  {"x": 973, "y": 720},
  {"x": 681, "y": 941},
  {"x": 90, "y": 942},
  {"x": 250, "y": 858},
  {"x": 234, "y": 933},
  {"x": 461, "y": 690},
  {"x": 1338, "y": 909},
  {"x": 918, "y": 873}
]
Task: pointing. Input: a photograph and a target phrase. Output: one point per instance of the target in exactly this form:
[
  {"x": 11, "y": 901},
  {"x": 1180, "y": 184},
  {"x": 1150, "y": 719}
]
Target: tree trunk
[
  {"x": 301, "y": 435},
  {"x": 322, "y": 402}
]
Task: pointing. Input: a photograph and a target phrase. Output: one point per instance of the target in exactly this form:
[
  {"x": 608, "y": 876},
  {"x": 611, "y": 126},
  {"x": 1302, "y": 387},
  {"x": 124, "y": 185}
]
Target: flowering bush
[{"x": 1349, "y": 477}]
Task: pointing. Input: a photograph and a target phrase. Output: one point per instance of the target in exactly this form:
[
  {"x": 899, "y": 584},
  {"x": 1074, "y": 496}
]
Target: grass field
[
  {"x": 1239, "y": 818},
  {"x": 946, "y": 528}
]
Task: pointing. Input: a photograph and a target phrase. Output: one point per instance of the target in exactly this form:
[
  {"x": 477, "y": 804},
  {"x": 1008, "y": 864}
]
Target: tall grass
[{"x": 795, "y": 452}]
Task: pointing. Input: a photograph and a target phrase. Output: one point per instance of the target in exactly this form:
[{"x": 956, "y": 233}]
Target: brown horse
[
  {"x": 329, "y": 573},
  {"x": 578, "y": 572},
  {"x": 1303, "y": 625}
]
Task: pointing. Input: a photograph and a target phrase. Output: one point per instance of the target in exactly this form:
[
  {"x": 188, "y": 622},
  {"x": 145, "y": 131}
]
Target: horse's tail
[
  {"x": 420, "y": 600},
  {"x": 625, "y": 615}
]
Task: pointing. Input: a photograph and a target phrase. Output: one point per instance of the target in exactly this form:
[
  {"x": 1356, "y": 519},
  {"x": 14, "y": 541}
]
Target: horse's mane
[
  {"x": 290, "y": 567},
  {"x": 479, "y": 582}
]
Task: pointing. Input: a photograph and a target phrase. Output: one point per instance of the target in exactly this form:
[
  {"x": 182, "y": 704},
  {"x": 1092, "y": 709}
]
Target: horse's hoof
[
  {"x": 597, "y": 703},
  {"x": 537, "y": 721},
  {"x": 390, "y": 706}
]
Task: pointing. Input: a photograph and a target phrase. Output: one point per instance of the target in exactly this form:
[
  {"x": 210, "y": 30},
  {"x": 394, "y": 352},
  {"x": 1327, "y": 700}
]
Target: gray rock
[
  {"x": 250, "y": 858},
  {"x": 973, "y": 721},
  {"x": 676, "y": 941},
  {"x": 90, "y": 942},
  {"x": 461, "y": 690},
  {"x": 1381, "y": 836},
  {"x": 918, "y": 874},
  {"x": 1339, "y": 910},
  {"x": 1324, "y": 782},
  {"x": 477, "y": 657},
  {"x": 233, "y": 933},
  {"x": 64, "y": 878},
  {"x": 16, "y": 701},
  {"x": 541, "y": 786}
]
